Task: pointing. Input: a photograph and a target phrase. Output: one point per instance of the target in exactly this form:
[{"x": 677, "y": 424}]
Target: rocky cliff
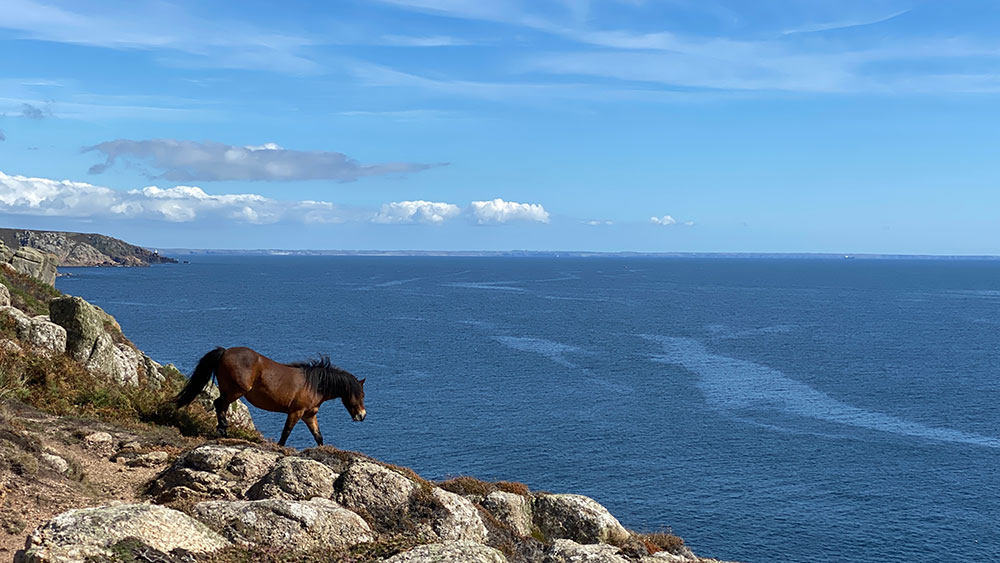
[
  {"x": 96, "y": 465},
  {"x": 82, "y": 249}
]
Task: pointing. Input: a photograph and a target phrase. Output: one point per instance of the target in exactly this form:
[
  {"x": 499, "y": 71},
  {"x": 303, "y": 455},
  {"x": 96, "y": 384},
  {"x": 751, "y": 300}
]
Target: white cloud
[
  {"x": 185, "y": 161},
  {"x": 498, "y": 211},
  {"x": 598, "y": 222},
  {"x": 665, "y": 220},
  {"x": 433, "y": 212},
  {"x": 21, "y": 195}
]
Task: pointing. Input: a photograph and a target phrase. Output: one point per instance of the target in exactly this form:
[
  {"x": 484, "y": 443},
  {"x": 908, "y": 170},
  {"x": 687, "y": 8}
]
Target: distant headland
[{"x": 82, "y": 249}]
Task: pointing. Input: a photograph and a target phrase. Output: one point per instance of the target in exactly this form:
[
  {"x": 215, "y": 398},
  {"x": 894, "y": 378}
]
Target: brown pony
[{"x": 297, "y": 389}]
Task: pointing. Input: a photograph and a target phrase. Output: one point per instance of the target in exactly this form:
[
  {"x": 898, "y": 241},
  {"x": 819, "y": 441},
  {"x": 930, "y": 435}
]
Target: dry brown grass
[
  {"x": 655, "y": 542},
  {"x": 471, "y": 486},
  {"x": 61, "y": 386}
]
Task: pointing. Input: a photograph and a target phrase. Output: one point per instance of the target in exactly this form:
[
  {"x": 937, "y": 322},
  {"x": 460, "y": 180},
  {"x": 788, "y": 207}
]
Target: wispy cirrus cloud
[
  {"x": 185, "y": 161},
  {"x": 844, "y": 23},
  {"x": 22, "y": 195},
  {"x": 780, "y": 56},
  {"x": 423, "y": 41},
  {"x": 162, "y": 27}
]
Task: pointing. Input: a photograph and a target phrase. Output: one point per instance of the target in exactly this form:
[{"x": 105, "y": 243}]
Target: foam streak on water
[{"x": 740, "y": 386}]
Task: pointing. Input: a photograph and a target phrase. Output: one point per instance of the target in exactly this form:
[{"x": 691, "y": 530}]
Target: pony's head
[{"x": 354, "y": 399}]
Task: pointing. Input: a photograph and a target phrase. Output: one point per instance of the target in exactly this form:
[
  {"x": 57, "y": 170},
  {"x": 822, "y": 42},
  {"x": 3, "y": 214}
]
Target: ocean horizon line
[{"x": 568, "y": 254}]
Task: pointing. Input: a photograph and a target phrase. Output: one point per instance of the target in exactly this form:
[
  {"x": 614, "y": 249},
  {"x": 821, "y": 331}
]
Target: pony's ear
[{"x": 362, "y": 381}]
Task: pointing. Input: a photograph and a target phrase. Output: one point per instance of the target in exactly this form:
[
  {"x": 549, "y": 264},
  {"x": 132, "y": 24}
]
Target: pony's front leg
[
  {"x": 221, "y": 408},
  {"x": 293, "y": 417},
  {"x": 310, "y": 420}
]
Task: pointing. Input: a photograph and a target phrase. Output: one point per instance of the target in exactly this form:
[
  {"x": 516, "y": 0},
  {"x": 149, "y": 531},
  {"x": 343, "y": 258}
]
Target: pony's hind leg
[
  {"x": 293, "y": 417},
  {"x": 310, "y": 419},
  {"x": 221, "y": 408}
]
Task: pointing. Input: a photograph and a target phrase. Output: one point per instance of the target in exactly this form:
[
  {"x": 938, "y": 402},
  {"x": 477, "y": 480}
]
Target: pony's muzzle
[{"x": 360, "y": 416}]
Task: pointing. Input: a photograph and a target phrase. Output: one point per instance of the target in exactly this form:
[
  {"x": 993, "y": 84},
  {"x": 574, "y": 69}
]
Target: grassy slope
[{"x": 59, "y": 385}]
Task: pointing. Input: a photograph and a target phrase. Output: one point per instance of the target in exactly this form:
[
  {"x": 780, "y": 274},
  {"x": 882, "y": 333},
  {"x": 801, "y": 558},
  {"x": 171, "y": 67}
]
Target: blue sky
[{"x": 674, "y": 125}]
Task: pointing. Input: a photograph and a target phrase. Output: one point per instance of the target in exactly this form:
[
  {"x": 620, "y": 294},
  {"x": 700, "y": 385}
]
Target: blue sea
[{"x": 765, "y": 410}]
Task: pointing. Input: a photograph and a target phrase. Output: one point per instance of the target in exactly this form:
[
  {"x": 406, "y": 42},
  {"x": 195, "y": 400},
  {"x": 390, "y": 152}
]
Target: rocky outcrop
[
  {"x": 328, "y": 501},
  {"x": 375, "y": 490},
  {"x": 450, "y": 552},
  {"x": 29, "y": 261},
  {"x": 568, "y": 551},
  {"x": 39, "y": 332},
  {"x": 278, "y": 522},
  {"x": 213, "y": 471},
  {"x": 239, "y": 414},
  {"x": 87, "y": 339},
  {"x": 577, "y": 518},
  {"x": 85, "y": 533},
  {"x": 35, "y": 263},
  {"x": 295, "y": 478},
  {"x": 512, "y": 510},
  {"x": 457, "y": 519},
  {"x": 81, "y": 249}
]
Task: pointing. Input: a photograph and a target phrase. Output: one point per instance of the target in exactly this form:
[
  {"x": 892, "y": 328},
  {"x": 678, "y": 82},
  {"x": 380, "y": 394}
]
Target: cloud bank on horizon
[{"x": 20, "y": 195}]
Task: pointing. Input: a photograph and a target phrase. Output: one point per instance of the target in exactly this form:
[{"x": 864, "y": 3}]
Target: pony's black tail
[{"x": 200, "y": 378}]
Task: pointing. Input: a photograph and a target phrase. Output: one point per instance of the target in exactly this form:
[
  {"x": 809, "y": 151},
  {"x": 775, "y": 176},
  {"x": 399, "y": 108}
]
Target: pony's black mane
[{"x": 328, "y": 379}]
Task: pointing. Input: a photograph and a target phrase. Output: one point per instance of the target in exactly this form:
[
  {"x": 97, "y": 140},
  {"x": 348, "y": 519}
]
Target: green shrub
[{"x": 27, "y": 293}]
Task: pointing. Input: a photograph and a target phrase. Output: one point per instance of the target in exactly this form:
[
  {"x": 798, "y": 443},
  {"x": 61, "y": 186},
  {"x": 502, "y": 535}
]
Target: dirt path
[{"x": 51, "y": 464}]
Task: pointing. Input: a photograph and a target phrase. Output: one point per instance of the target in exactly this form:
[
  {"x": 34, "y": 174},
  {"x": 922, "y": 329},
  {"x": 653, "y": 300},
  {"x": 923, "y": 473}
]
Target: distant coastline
[{"x": 567, "y": 254}]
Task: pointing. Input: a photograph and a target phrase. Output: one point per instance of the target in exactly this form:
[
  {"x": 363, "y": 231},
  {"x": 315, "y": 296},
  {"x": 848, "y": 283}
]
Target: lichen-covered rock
[
  {"x": 22, "y": 322},
  {"x": 35, "y": 263},
  {"x": 577, "y": 518},
  {"x": 665, "y": 557},
  {"x": 238, "y": 415},
  {"x": 125, "y": 365},
  {"x": 450, "y": 552},
  {"x": 295, "y": 478},
  {"x": 510, "y": 509},
  {"x": 88, "y": 342},
  {"x": 458, "y": 519},
  {"x": 374, "y": 489},
  {"x": 88, "y": 533},
  {"x": 153, "y": 371},
  {"x": 568, "y": 551},
  {"x": 280, "y": 522},
  {"x": 43, "y": 336},
  {"x": 4, "y": 296},
  {"x": 213, "y": 470}
]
